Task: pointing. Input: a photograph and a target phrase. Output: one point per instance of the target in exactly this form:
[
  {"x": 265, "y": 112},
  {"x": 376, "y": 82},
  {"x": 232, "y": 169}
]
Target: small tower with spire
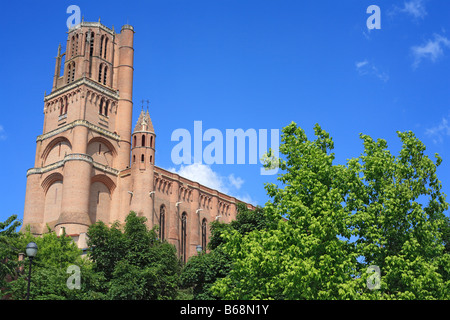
[
  {"x": 143, "y": 147},
  {"x": 142, "y": 163}
]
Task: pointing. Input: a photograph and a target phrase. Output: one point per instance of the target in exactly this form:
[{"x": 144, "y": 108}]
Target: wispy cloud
[
  {"x": 204, "y": 175},
  {"x": 235, "y": 181},
  {"x": 361, "y": 64},
  {"x": 432, "y": 49},
  {"x": 367, "y": 68},
  {"x": 2, "y": 133},
  {"x": 412, "y": 8},
  {"x": 439, "y": 132},
  {"x": 415, "y": 8}
]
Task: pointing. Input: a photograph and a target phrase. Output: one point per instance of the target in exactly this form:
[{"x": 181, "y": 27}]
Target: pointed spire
[
  {"x": 59, "y": 49},
  {"x": 144, "y": 122}
]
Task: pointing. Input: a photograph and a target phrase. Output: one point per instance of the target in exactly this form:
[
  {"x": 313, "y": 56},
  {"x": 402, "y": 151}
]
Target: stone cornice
[
  {"x": 45, "y": 169},
  {"x": 92, "y": 25},
  {"x": 114, "y": 94},
  {"x": 78, "y": 156},
  {"x": 104, "y": 168},
  {"x": 75, "y": 123},
  {"x": 73, "y": 157}
]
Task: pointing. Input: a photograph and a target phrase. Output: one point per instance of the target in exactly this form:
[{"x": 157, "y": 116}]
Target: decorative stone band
[
  {"x": 114, "y": 94},
  {"x": 75, "y": 123},
  {"x": 72, "y": 157},
  {"x": 92, "y": 25},
  {"x": 107, "y": 169},
  {"x": 78, "y": 156}
]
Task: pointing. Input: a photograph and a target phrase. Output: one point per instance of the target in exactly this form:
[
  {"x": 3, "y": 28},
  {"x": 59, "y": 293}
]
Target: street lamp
[
  {"x": 31, "y": 251},
  {"x": 199, "y": 249}
]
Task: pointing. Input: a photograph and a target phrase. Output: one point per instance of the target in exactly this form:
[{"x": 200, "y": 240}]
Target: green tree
[
  {"x": 398, "y": 219},
  {"x": 135, "y": 264},
  {"x": 341, "y": 219},
  {"x": 203, "y": 270},
  {"x": 8, "y": 253},
  {"x": 446, "y": 234},
  {"x": 49, "y": 270}
]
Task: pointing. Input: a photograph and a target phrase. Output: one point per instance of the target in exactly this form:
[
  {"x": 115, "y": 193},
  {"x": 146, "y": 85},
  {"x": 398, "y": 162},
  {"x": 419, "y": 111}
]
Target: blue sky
[{"x": 243, "y": 64}]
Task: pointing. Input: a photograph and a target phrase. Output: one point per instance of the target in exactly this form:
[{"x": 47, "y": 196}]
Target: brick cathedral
[{"x": 92, "y": 165}]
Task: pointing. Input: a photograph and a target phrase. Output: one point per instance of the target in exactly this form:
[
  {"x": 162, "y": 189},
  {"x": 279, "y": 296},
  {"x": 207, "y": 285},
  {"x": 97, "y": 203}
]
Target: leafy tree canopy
[
  {"x": 133, "y": 261},
  {"x": 378, "y": 209}
]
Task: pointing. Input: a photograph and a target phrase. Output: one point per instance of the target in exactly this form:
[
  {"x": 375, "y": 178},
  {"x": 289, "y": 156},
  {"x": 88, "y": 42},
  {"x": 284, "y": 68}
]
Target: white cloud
[
  {"x": 235, "y": 181},
  {"x": 366, "y": 68},
  {"x": 204, "y": 175},
  {"x": 437, "y": 133},
  {"x": 2, "y": 133},
  {"x": 432, "y": 49},
  {"x": 414, "y": 8},
  {"x": 361, "y": 64}
]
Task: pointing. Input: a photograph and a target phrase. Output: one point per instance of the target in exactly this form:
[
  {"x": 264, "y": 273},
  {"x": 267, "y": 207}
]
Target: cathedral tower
[
  {"x": 86, "y": 138},
  {"x": 89, "y": 166}
]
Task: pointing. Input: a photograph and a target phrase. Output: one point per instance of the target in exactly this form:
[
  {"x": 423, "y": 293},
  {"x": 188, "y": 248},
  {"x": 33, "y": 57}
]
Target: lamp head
[{"x": 31, "y": 249}]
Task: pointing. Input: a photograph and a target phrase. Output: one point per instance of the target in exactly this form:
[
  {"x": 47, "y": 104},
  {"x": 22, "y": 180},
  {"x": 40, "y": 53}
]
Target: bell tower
[
  {"x": 142, "y": 166},
  {"x": 86, "y": 137}
]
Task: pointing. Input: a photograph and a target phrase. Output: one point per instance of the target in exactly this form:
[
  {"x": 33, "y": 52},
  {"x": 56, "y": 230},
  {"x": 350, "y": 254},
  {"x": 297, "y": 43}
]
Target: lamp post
[
  {"x": 31, "y": 251},
  {"x": 199, "y": 249}
]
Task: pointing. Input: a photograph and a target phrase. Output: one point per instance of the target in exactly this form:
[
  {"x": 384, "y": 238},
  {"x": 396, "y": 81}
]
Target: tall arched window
[
  {"x": 106, "y": 47},
  {"x": 61, "y": 107},
  {"x": 76, "y": 44},
  {"x": 183, "y": 236},
  {"x": 73, "y": 46},
  {"x": 106, "y": 108},
  {"x": 73, "y": 72},
  {"x": 143, "y": 140},
  {"x": 162, "y": 222},
  {"x": 91, "y": 49},
  {"x": 151, "y": 141},
  {"x": 105, "y": 75},
  {"x": 142, "y": 158},
  {"x": 65, "y": 105},
  {"x": 100, "y": 72},
  {"x": 100, "y": 108},
  {"x": 69, "y": 71},
  {"x": 134, "y": 142},
  {"x": 204, "y": 226},
  {"x": 101, "y": 44}
]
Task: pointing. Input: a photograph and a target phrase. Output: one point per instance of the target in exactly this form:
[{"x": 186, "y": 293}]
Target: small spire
[
  {"x": 144, "y": 122},
  {"x": 147, "y": 105},
  {"x": 59, "y": 49},
  {"x": 82, "y": 18},
  {"x": 99, "y": 19}
]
